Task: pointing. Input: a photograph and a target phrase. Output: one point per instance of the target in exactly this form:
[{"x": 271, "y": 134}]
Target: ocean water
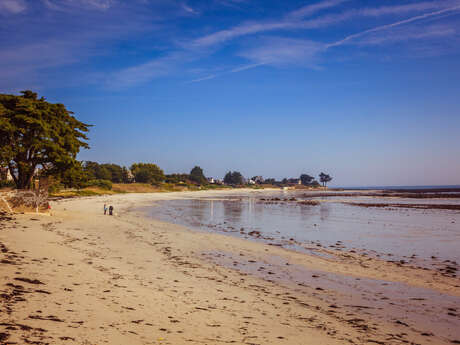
[
  {"x": 427, "y": 236},
  {"x": 401, "y": 187}
]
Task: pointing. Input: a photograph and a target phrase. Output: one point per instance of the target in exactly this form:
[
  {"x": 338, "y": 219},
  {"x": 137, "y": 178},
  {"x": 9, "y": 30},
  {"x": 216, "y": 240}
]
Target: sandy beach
[{"x": 79, "y": 277}]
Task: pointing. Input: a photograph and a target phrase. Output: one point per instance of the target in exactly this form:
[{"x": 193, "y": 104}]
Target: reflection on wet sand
[{"x": 395, "y": 233}]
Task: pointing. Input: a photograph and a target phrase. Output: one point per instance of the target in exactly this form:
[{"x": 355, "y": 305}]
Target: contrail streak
[{"x": 387, "y": 26}]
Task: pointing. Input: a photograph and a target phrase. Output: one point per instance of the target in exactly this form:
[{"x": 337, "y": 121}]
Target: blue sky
[{"x": 367, "y": 91}]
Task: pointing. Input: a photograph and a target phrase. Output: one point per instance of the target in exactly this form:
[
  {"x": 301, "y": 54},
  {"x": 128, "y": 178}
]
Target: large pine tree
[{"x": 35, "y": 133}]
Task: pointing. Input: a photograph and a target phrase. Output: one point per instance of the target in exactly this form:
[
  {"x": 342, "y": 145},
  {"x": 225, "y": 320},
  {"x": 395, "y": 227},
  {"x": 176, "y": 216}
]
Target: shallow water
[{"x": 396, "y": 233}]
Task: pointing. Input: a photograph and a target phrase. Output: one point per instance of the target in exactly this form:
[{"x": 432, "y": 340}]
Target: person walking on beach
[
  {"x": 105, "y": 209},
  {"x": 111, "y": 210}
]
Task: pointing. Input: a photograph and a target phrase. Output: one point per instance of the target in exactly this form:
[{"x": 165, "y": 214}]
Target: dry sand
[{"x": 79, "y": 277}]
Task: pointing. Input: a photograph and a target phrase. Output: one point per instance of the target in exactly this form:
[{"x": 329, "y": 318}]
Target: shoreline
[{"x": 131, "y": 279}]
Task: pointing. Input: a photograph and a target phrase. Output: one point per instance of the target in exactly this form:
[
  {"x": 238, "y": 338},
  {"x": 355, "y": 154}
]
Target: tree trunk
[
  {"x": 15, "y": 179},
  {"x": 24, "y": 178}
]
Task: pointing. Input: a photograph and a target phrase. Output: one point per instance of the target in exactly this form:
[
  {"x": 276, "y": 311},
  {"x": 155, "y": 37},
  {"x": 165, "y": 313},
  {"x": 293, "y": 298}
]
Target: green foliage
[
  {"x": 86, "y": 193},
  {"x": 104, "y": 184},
  {"x": 216, "y": 186},
  {"x": 193, "y": 187},
  {"x": 4, "y": 184},
  {"x": 147, "y": 173},
  {"x": 306, "y": 179},
  {"x": 115, "y": 171},
  {"x": 178, "y": 178},
  {"x": 104, "y": 173},
  {"x": 35, "y": 133},
  {"x": 233, "y": 178},
  {"x": 315, "y": 184},
  {"x": 74, "y": 177},
  {"x": 170, "y": 187},
  {"x": 197, "y": 176},
  {"x": 111, "y": 172},
  {"x": 143, "y": 176},
  {"x": 324, "y": 178}
]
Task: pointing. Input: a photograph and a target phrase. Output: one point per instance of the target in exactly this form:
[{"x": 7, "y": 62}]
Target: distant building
[
  {"x": 251, "y": 181},
  {"x": 212, "y": 180},
  {"x": 130, "y": 176},
  {"x": 258, "y": 179}
]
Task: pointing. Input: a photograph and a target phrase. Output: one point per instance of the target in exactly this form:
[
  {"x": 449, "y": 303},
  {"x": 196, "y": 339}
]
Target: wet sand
[
  {"x": 79, "y": 277},
  {"x": 414, "y": 232}
]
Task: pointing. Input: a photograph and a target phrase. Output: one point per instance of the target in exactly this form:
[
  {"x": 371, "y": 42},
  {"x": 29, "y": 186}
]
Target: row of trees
[
  {"x": 38, "y": 137},
  {"x": 236, "y": 178},
  {"x": 91, "y": 173},
  {"x": 110, "y": 172},
  {"x": 305, "y": 180}
]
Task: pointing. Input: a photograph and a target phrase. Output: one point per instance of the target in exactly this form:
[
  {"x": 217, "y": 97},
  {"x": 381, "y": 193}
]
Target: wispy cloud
[
  {"x": 229, "y": 71},
  {"x": 352, "y": 37},
  {"x": 105, "y": 23},
  {"x": 46, "y": 54},
  {"x": 296, "y": 19},
  {"x": 282, "y": 51},
  {"x": 407, "y": 8},
  {"x": 64, "y": 5},
  {"x": 279, "y": 51},
  {"x": 311, "y": 9},
  {"x": 374, "y": 12},
  {"x": 231, "y": 3},
  {"x": 436, "y": 31},
  {"x": 189, "y": 9},
  {"x": 50, "y": 39},
  {"x": 141, "y": 73},
  {"x": 155, "y": 68},
  {"x": 246, "y": 67},
  {"x": 292, "y": 20},
  {"x": 238, "y": 31},
  {"x": 12, "y": 6},
  {"x": 208, "y": 77}
]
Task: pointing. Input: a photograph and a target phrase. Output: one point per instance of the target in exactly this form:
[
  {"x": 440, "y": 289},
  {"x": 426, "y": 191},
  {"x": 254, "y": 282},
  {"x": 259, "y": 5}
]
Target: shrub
[
  {"x": 55, "y": 188},
  {"x": 4, "y": 184},
  {"x": 104, "y": 184}
]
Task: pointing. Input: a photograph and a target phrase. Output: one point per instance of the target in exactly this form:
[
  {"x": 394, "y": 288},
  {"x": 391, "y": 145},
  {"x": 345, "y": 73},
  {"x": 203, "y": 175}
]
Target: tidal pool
[{"x": 419, "y": 234}]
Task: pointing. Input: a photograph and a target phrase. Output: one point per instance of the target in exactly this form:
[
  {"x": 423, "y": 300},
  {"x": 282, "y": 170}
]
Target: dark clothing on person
[{"x": 111, "y": 210}]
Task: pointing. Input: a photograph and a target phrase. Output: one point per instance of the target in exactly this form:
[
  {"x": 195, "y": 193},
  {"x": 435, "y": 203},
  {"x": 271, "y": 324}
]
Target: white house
[{"x": 258, "y": 179}]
